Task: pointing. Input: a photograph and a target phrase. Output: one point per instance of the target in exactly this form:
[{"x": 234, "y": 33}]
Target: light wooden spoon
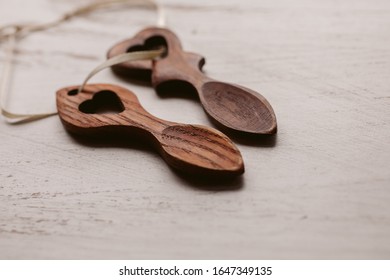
[{"x": 190, "y": 148}]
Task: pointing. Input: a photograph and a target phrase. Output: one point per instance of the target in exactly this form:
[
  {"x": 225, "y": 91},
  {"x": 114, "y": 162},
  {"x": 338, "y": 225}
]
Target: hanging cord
[
  {"x": 11, "y": 33},
  {"x": 125, "y": 57}
]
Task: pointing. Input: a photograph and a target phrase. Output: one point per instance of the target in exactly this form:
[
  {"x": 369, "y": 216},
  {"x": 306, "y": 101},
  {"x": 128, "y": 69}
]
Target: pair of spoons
[{"x": 189, "y": 148}]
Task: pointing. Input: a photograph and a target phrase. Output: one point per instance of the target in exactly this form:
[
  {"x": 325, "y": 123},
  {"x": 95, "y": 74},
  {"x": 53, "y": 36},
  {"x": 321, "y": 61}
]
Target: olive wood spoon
[
  {"x": 190, "y": 148},
  {"x": 232, "y": 106}
]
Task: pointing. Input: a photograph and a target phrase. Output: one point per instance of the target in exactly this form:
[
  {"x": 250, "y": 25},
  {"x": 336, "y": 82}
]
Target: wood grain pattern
[
  {"x": 189, "y": 148},
  {"x": 231, "y": 106},
  {"x": 320, "y": 190}
]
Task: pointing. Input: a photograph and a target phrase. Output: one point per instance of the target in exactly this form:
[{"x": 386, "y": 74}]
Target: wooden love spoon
[
  {"x": 232, "y": 106},
  {"x": 190, "y": 148}
]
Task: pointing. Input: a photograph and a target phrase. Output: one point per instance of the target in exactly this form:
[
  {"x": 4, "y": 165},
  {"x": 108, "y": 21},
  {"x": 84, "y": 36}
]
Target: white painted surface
[{"x": 321, "y": 191}]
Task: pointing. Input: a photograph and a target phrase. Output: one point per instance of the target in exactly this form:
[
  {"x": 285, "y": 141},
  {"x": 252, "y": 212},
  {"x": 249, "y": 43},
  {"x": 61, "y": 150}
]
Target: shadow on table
[{"x": 210, "y": 182}]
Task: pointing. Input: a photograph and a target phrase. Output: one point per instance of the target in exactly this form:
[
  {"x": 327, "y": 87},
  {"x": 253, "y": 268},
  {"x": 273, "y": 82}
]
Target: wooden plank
[{"x": 319, "y": 190}]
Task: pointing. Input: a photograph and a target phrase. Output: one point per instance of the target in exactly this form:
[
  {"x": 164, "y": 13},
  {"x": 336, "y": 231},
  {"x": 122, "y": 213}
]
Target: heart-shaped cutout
[
  {"x": 103, "y": 102},
  {"x": 152, "y": 43}
]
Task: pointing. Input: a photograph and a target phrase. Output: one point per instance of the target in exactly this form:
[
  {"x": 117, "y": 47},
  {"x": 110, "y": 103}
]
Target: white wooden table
[{"x": 321, "y": 189}]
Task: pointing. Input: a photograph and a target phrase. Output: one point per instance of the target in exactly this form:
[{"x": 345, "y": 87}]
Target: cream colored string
[{"x": 12, "y": 33}]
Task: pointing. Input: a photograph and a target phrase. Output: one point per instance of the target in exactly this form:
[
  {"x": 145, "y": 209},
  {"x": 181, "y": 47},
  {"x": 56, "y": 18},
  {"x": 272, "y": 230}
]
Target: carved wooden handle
[
  {"x": 190, "y": 148},
  {"x": 231, "y": 106}
]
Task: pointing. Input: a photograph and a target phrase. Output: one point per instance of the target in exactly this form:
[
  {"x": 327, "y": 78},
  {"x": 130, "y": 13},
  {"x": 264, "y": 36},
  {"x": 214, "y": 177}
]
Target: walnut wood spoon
[
  {"x": 232, "y": 106},
  {"x": 190, "y": 148}
]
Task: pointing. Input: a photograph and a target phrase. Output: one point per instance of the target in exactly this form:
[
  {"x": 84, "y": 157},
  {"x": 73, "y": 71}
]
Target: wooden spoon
[
  {"x": 232, "y": 106},
  {"x": 190, "y": 148}
]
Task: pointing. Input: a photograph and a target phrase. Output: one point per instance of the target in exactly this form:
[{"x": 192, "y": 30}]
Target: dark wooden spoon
[{"x": 232, "y": 106}]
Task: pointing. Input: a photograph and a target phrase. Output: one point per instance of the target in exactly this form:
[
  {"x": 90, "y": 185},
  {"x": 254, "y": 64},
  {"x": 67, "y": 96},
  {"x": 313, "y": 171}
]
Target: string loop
[
  {"x": 10, "y": 33},
  {"x": 9, "y": 30}
]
